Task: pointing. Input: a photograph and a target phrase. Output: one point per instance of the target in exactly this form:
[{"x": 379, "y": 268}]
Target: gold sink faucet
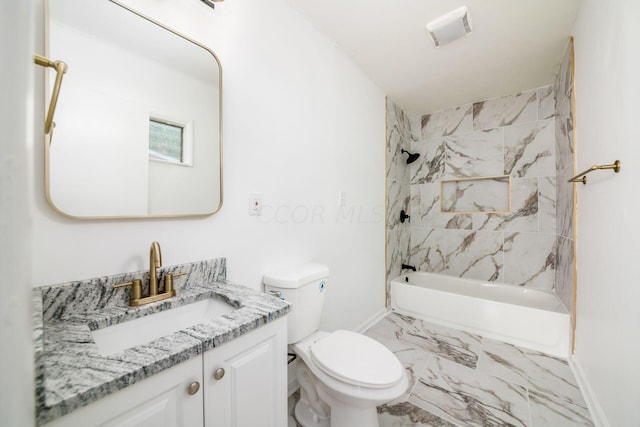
[{"x": 155, "y": 262}]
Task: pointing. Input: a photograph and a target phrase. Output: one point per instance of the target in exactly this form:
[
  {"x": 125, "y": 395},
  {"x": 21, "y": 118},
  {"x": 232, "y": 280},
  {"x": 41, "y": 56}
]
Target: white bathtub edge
[
  {"x": 410, "y": 300},
  {"x": 595, "y": 409}
]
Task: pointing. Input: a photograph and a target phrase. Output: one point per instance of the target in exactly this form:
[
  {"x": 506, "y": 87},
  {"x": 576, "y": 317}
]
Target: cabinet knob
[
  {"x": 218, "y": 373},
  {"x": 193, "y": 388}
]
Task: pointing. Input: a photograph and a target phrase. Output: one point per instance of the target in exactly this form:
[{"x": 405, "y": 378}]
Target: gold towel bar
[
  {"x": 582, "y": 178},
  {"x": 60, "y": 68}
]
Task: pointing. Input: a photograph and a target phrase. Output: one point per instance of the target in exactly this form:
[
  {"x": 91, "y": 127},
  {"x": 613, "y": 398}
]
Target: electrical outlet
[{"x": 342, "y": 198}]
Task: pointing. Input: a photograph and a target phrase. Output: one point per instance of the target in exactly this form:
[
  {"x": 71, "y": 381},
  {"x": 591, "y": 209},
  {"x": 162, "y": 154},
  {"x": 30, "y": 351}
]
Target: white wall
[
  {"x": 300, "y": 123},
  {"x": 16, "y": 119},
  {"x": 608, "y": 318}
]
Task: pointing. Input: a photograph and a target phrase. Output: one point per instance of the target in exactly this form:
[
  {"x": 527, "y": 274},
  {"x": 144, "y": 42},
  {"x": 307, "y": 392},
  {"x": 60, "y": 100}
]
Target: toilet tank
[{"x": 303, "y": 287}]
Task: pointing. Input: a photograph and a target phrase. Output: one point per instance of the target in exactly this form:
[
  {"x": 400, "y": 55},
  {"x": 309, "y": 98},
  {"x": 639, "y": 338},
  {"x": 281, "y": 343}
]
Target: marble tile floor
[{"x": 461, "y": 379}]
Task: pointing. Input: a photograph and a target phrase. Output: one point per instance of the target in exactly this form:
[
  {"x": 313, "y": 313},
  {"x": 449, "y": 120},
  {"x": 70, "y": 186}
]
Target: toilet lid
[{"x": 356, "y": 359}]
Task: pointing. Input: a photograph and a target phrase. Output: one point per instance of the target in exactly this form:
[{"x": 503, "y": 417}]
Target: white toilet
[{"x": 343, "y": 375}]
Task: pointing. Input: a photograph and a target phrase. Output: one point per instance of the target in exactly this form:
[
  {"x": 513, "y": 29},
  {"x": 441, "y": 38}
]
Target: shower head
[{"x": 412, "y": 157}]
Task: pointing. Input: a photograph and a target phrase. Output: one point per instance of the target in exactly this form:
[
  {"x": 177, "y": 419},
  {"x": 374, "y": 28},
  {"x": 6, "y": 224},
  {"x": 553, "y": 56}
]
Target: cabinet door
[
  {"x": 253, "y": 390},
  {"x": 162, "y": 400}
]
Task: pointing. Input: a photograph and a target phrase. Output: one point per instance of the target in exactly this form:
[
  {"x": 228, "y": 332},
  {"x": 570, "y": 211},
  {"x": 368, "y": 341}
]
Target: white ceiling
[{"x": 515, "y": 45}]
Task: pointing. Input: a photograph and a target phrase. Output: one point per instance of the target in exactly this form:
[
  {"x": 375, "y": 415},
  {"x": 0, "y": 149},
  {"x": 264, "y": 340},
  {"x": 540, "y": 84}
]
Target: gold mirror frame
[{"x": 49, "y": 138}]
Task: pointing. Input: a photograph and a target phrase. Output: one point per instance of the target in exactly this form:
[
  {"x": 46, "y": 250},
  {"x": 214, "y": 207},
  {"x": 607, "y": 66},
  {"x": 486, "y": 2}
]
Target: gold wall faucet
[{"x": 155, "y": 262}]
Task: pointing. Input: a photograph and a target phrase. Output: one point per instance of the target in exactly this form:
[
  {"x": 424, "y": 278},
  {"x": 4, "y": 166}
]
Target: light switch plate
[{"x": 255, "y": 204}]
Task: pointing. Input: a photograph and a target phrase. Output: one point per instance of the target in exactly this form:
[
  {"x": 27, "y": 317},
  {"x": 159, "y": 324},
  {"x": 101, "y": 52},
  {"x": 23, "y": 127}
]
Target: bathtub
[{"x": 529, "y": 318}]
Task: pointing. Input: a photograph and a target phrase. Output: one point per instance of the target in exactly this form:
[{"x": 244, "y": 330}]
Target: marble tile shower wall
[
  {"x": 565, "y": 161},
  {"x": 512, "y": 135},
  {"x": 397, "y": 184}
]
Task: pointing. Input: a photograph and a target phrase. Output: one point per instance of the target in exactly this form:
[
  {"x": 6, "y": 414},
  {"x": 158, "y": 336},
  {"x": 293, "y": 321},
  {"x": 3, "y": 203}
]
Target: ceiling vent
[{"x": 450, "y": 26}]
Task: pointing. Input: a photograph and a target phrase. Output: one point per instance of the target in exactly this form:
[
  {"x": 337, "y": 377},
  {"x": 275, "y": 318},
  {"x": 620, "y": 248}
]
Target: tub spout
[{"x": 408, "y": 267}]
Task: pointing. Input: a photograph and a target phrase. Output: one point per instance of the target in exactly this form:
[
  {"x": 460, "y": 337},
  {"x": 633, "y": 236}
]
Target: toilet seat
[
  {"x": 357, "y": 360},
  {"x": 328, "y": 367}
]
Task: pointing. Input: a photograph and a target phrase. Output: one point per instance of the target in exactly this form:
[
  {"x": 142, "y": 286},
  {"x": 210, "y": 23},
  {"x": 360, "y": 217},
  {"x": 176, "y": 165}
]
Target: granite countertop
[{"x": 71, "y": 373}]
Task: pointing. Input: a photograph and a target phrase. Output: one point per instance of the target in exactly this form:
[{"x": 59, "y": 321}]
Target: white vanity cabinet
[
  {"x": 252, "y": 392},
  {"x": 161, "y": 400},
  {"x": 246, "y": 380}
]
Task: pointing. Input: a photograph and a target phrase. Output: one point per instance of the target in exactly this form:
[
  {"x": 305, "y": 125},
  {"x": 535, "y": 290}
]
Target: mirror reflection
[{"x": 138, "y": 119}]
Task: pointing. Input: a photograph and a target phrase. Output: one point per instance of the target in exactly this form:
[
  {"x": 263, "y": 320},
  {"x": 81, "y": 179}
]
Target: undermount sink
[{"x": 143, "y": 330}]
